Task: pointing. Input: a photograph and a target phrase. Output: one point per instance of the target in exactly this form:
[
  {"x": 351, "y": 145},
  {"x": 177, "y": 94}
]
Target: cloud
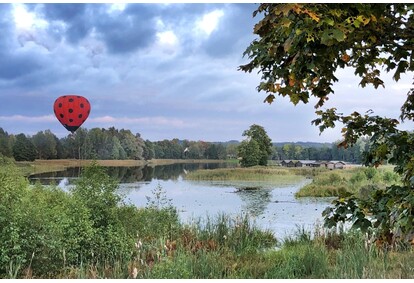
[
  {"x": 153, "y": 121},
  {"x": 164, "y": 70},
  {"x": 28, "y": 119},
  {"x": 234, "y": 30}
]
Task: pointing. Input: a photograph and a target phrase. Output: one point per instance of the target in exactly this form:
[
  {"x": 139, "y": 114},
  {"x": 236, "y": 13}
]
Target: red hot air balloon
[{"x": 72, "y": 111}]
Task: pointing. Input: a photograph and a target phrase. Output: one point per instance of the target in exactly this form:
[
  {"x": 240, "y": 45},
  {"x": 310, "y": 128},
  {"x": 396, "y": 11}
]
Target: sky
[{"x": 161, "y": 70}]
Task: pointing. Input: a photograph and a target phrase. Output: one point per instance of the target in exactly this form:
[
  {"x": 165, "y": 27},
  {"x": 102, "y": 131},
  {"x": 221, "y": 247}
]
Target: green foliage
[
  {"x": 300, "y": 46},
  {"x": 23, "y": 149},
  {"x": 258, "y": 134},
  {"x": 256, "y": 149},
  {"x": 299, "y": 49},
  {"x": 46, "y": 145},
  {"x": 249, "y": 151},
  {"x": 6, "y": 147}
]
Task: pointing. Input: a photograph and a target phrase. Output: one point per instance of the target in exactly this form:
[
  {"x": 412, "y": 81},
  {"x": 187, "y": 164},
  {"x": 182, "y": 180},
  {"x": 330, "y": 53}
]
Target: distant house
[
  {"x": 330, "y": 165},
  {"x": 340, "y": 165},
  {"x": 323, "y": 164},
  {"x": 335, "y": 165},
  {"x": 291, "y": 163},
  {"x": 305, "y": 163},
  {"x": 312, "y": 163},
  {"x": 284, "y": 163}
]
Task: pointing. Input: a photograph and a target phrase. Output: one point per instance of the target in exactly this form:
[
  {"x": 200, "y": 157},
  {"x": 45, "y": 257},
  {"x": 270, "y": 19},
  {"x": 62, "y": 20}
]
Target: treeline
[
  {"x": 295, "y": 151},
  {"x": 99, "y": 143}
]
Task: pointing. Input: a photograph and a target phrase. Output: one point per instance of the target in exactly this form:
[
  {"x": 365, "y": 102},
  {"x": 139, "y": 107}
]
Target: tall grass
[
  {"x": 251, "y": 174},
  {"x": 360, "y": 180}
]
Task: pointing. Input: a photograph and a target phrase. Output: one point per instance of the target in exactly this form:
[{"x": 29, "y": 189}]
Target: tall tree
[
  {"x": 24, "y": 149},
  {"x": 45, "y": 143},
  {"x": 258, "y": 133},
  {"x": 249, "y": 151},
  {"x": 299, "y": 49},
  {"x": 5, "y": 145},
  {"x": 148, "y": 152}
]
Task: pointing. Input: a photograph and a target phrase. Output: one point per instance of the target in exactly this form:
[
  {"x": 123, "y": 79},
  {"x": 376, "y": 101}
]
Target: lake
[{"x": 269, "y": 206}]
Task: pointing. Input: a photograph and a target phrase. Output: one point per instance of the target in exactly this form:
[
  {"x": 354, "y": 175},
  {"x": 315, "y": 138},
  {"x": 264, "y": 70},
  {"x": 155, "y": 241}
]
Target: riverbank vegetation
[
  {"x": 358, "y": 181},
  {"x": 257, "y": 173},
  {"x": 88, "y": 232}
]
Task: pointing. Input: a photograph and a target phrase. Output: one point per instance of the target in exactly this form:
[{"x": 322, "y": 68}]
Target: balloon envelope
[{"x": 72, "y": 111}]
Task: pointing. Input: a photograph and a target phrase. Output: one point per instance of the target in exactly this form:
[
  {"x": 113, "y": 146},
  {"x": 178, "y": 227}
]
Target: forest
[{"x": 114, "y": 144}]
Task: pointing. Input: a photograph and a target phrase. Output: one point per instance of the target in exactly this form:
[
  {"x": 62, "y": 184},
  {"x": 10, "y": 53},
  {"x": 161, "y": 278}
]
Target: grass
[
  {"x": 251, "y": 174},
  {"x": 199, "y": 253},
  {"x": 358, "y": 180}
]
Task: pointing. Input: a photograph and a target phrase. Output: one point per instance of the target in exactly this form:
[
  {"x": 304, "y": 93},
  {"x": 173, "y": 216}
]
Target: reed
[
  {"x": 255, "y": 174},
  {"x": 359, "y": 180}
]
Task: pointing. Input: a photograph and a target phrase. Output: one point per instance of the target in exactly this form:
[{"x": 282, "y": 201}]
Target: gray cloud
[
  {"x": 235, "y": 29},
  {"x": 133, "y": 29},
  {"x": 188, "y": 87},
  {"x": 5, "y": 25},
  {"x": 76, "y": 16}
]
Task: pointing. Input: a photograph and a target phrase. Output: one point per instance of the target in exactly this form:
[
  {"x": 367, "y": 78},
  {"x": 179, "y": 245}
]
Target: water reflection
[
  {"x": 131, "y": 174},
  {"x": 255, "y": 200}
]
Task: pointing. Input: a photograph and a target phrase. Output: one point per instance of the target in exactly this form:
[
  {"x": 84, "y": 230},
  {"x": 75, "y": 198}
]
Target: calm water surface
[{"x": 270, "y": 207}]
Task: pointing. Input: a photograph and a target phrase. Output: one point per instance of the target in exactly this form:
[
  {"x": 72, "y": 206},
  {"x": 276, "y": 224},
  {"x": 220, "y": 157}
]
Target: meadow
[{"x": 90, "y": 233}]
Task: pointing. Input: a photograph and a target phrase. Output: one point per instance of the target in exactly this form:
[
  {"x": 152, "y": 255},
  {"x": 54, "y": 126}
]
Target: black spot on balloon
[
  {"x": 80, "y": 116},
  {"x": 61, "y": 116},
  {"x": 81, "y": 105},
  {"x": 71, "y": 120},
  {"x": 70, "y": 99},
  {"x": 78, "y": 96},
  {"x": 89, "y": 111},
  {"x": 60, "y": 105},
  {"x": 64, "y": 96},
  {"x": 70, "y": 110}
]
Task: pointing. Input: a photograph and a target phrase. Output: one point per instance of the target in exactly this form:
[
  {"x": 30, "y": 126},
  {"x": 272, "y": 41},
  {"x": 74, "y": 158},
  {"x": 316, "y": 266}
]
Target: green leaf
[{"x": 329, "y": 36}]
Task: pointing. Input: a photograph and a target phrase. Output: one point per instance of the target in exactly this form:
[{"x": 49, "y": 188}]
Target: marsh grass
[
  {"x": 358, "y": 180},
  {"x": 251, "y": 174}
]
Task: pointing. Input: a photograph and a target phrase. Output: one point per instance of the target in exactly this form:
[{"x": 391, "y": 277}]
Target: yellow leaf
[
  {"x": 312, "y": 15},
  {"x": 363, "y": 19}
]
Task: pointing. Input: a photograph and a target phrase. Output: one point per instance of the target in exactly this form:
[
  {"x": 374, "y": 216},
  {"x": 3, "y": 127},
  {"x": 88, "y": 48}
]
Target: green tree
[
  {"x": 299, "y": 49},
  {"x": 149, "y": 152},
  {"x": 45, "y": 143},
  {"x": 5, "y": 145},
  {"x": 133, "y": 145},
  {"x": 258, "y": 133},
  {"x": 117, "y": 151},
  {"x": 249, "y": 151},
  {"x": 23, "y": 149}
]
